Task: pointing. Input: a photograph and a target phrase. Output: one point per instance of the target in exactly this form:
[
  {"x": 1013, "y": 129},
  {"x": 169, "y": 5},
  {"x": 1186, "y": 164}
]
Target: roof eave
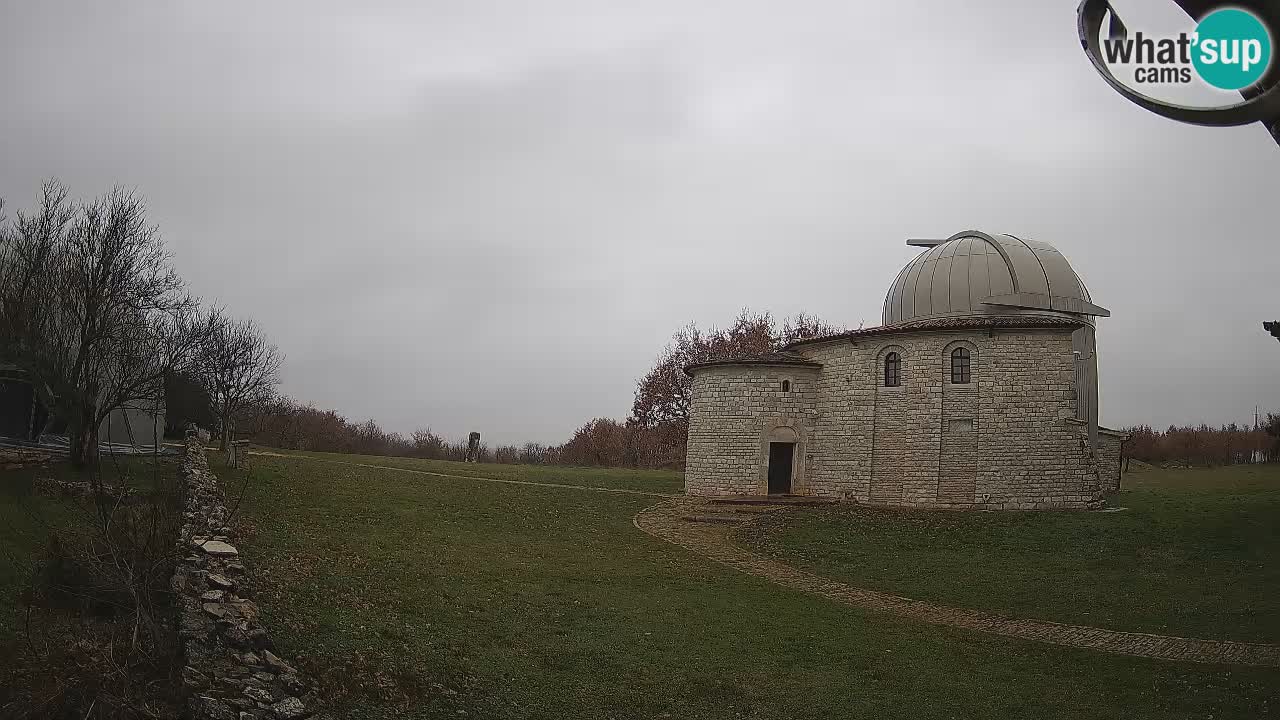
[
  {"x": 747, "y": 362},
  {"x": 942, "y": 325}
]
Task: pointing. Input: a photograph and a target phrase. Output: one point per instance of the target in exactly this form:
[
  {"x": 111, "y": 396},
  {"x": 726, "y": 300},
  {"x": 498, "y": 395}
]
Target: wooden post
[{"x": 238, "y": 454}]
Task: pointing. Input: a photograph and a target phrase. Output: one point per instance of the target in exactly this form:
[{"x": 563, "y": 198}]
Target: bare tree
[
  {"x": 92, "y": 309},
  {"x": 601, "y": 442},
  {"x": 663, "y": 394},
  {"x": 427, "y": 444},
  {"x": 239, "y": 368}
]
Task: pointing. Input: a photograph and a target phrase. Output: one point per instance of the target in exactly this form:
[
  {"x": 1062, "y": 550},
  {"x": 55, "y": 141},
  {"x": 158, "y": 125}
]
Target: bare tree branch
[
  {"x": 91, "y": 308},
  {"x": 238, "y": 367}
]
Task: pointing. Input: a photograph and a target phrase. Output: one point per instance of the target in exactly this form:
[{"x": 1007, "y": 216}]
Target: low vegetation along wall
[{"x": 231, "y": 672}]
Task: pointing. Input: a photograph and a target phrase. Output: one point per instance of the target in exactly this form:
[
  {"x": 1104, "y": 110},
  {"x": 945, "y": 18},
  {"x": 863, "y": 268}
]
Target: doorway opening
[{"x": 781, "y": 458}]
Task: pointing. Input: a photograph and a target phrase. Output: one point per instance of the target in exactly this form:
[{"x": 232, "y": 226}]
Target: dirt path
[{"x": 712, "y": 541}]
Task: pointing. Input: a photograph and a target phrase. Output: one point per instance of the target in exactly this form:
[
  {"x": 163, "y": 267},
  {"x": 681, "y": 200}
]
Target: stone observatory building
[{"x": 980, "y": 390}]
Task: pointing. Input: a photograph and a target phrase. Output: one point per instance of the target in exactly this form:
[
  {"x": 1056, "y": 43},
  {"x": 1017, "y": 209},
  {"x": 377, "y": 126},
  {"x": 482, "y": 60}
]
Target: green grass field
[
  {"x": 656, "y": 481},
  {"x": 1196, "y": 553},
  {"x": 29, "y": 518},
  {"x": 420, "y": 596}
]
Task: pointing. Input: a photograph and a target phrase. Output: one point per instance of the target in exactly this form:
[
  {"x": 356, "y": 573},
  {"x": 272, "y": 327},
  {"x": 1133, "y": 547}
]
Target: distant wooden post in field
[
  {"x": 238, "y": 454},
  {"x": 473, "y": 447}
]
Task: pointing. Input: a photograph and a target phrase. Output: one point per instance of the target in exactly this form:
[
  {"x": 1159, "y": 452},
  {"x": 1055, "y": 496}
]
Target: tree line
[
  {"x": 287, "y": 424},
  {"x": 94, "y": 314},
  {"x": 1205, "y": 446},
  {"x": 654, "y": 436},
  {"x": 656, "y": 433}
]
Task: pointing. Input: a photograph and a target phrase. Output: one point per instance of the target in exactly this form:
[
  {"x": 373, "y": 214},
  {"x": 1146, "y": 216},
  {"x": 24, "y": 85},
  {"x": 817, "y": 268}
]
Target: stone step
[
  {"x": 747, "y": 509},
  {"x": 726, "y": 518},
  {"x": 775, "y": 500}
]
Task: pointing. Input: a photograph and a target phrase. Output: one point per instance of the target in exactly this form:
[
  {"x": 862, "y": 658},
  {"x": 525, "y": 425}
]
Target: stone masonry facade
[
  {"x": 1009, "y": 439},
  {"x": 735, "y": 410}
]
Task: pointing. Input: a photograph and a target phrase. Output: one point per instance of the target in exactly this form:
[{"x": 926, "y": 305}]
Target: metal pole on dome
[{"x": 1261, "y": 101}]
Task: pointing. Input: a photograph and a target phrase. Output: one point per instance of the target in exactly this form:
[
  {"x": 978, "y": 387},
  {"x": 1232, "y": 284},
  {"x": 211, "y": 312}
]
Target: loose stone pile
[{"x": 231, "y": 672}]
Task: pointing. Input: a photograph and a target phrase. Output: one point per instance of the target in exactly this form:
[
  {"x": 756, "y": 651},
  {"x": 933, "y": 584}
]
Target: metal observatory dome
[{"x": 976, "y": 274}]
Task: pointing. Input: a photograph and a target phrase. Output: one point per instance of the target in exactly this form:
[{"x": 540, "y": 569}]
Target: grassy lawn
[
  {"x": 657, "y": 481},
  {"x": 67, "y": 642},
  {"x": 1196, "y": 553},
  {"x": 28, "y": 519},
  {"x": 418, "y": 596}
]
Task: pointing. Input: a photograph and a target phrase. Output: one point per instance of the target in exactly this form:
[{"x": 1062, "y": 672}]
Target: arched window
[
  {"x": 960, "y": 366},
  {"x": 892, "y": 370},
  {"x": 786, "y": 386}
]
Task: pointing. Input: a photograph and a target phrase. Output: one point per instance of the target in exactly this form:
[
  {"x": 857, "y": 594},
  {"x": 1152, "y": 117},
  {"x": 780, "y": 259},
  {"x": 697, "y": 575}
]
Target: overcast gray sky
[{"x": 492, "y": 215}]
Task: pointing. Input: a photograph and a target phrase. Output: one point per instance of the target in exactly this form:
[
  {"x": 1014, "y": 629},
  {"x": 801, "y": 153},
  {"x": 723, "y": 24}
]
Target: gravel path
[{"x": 664, "y": 521}]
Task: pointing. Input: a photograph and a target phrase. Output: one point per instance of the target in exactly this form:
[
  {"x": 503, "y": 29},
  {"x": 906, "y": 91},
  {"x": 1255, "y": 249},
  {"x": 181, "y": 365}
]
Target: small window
[
  {"x": 786, "y": 386},
  {"x": 892, "y": 370},
  {"x": 960, "y": 366}
]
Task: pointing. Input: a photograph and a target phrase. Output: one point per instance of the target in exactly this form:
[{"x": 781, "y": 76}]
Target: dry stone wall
[
  {"x": 1006, "y": 440},
  {"x": 231, "y": 671}
]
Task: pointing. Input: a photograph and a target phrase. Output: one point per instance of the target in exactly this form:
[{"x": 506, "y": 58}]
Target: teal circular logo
[{"x": 1232, "y": 49}]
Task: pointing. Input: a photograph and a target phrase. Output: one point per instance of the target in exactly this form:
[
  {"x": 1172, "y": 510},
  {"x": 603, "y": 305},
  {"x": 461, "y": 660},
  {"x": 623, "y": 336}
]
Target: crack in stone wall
[{"x": 231, "y": 671}]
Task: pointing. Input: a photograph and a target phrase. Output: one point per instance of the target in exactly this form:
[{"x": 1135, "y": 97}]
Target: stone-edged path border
[{"x": 664, "y": 521}]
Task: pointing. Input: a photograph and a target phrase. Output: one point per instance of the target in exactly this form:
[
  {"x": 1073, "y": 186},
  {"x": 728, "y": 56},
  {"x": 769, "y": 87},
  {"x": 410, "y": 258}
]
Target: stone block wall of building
[
  {"x": 1110, "y": 456},
  {"x": 961, "y": 428},
  {"x": 840, "y": 449},
  {"x": 735, "y": 410},
  {"x": 1034, "y": 456},
  {"x": 894, "y": 445},
  {"x": 905, "y": 436},
  {"x": 1006, "y": 440}
]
